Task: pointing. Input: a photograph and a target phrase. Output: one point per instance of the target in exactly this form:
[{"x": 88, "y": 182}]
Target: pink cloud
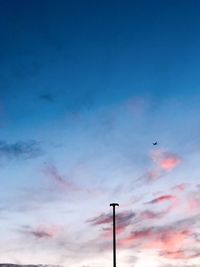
[
  {"x": 173, "y": 201},
  {"x": 169, "y": 163},
  {"x": 161, "y": 239},
  {"x": 168, "y": 240},
  {"x": 163, "y": 163},
  {"x": 181, "y": 254},
  {"x": 162, "y": 199},
  {"x": 166, "y": 161},
  {"x": 180, "y": 187},
  {"x": 193, "y": 203}
]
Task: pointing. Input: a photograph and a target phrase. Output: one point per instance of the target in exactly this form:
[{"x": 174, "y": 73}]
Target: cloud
[
  {"x": 168, "y": 240},
  {"x": 193, "y": 202},
  {"x": 42, "y": 232},
  {"x": 153, "y": 175},
  {"x": 162, "y": 199},
  {"x": 180, "y": 265},
  {"x": 166, "y": 161},
  {"x": 134, "y": 238},
  {"x": 182, "y": 254},
  {"x": 101, "y": 219},
  {"x": 20, "y": 150},
  {"x": 123, "y": 220},
  {"x": 151, "y": 215},
  {"x": 174, "y": 242},
  {"x": 52, "y": 172},
  {"x": 173, "y": 204},
  {"x": 164, "y": 239},
  {"x": 64, "y": 184},
  {"x": 192, "y": 221},
  {"x": 181, "y": 187}
]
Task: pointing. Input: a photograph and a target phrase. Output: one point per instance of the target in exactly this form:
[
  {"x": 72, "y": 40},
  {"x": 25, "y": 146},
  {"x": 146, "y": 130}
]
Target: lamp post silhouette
[{"x": 114, "y": 234}]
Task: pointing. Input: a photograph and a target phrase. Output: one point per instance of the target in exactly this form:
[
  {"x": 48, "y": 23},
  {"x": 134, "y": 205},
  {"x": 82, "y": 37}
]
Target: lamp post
[{"x": 114, "y": 234}]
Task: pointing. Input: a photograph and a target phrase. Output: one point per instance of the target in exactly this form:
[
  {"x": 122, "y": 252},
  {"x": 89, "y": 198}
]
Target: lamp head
[{"x": 114, "y": 204}]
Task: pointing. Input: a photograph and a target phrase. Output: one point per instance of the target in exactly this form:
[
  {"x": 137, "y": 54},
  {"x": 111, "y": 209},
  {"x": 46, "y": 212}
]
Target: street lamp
[{"x": 114, "y": 234}]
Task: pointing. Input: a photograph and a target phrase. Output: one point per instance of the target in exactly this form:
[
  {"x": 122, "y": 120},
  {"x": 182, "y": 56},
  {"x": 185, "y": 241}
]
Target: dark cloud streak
[{"x": 20, "y": 150}]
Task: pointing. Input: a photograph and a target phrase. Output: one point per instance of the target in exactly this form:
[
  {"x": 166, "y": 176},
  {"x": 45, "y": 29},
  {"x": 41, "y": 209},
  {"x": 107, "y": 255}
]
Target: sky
[{"x": 86, "y": 88}]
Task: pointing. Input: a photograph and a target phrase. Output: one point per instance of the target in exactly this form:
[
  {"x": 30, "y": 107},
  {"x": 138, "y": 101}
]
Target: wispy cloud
[
  {"x": 123, "y": 220},
  {"x": 193, "y": 202},
  {"x": 41, "y": 232},
  {"x": 65, "y": 183},
  {"x": 134, "y": 237},
  {"x": 162, "y": 199},
  {"x": 165, "y": 239},
  {"x": 164, "y": 162},
  {"x": 183, "y": 254},
  {"x": 172, "y": 201},
  {"x": 180, "y": 187},
  {"x": 152, "y": 215},
  {"x": 20, "y": 150},
  {"x": 51, "y": 171},
  {"x": 174, "y": 241}
]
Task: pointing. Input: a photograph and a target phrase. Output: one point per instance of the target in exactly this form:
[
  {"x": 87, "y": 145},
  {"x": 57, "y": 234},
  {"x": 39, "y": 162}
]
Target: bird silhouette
[{"x": 155, "y": 143}]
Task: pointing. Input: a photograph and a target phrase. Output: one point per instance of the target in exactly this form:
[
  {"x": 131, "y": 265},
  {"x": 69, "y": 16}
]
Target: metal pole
[{"x": 114, "y": 234}]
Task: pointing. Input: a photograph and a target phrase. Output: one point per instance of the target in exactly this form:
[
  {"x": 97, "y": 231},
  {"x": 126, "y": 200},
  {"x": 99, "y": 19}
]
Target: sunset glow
[{"x": 99, "y": 103}]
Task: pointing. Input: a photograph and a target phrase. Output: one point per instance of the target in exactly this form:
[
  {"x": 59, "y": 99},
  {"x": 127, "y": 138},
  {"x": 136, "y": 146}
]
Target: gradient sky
[{"x": 86, "y": 87}]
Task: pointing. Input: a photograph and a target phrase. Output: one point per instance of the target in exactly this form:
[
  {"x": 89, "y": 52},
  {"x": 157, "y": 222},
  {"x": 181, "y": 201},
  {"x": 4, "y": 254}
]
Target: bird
[{"x": 155, "y": 143}]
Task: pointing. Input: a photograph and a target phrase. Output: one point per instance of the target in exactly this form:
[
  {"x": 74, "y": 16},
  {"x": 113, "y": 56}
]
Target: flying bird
[{"x": 155, "y": 143}]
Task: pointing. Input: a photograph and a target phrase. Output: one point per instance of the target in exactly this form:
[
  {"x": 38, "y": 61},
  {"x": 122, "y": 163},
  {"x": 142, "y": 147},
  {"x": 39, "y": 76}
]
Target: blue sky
[{"x": 86, "y": 87}]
